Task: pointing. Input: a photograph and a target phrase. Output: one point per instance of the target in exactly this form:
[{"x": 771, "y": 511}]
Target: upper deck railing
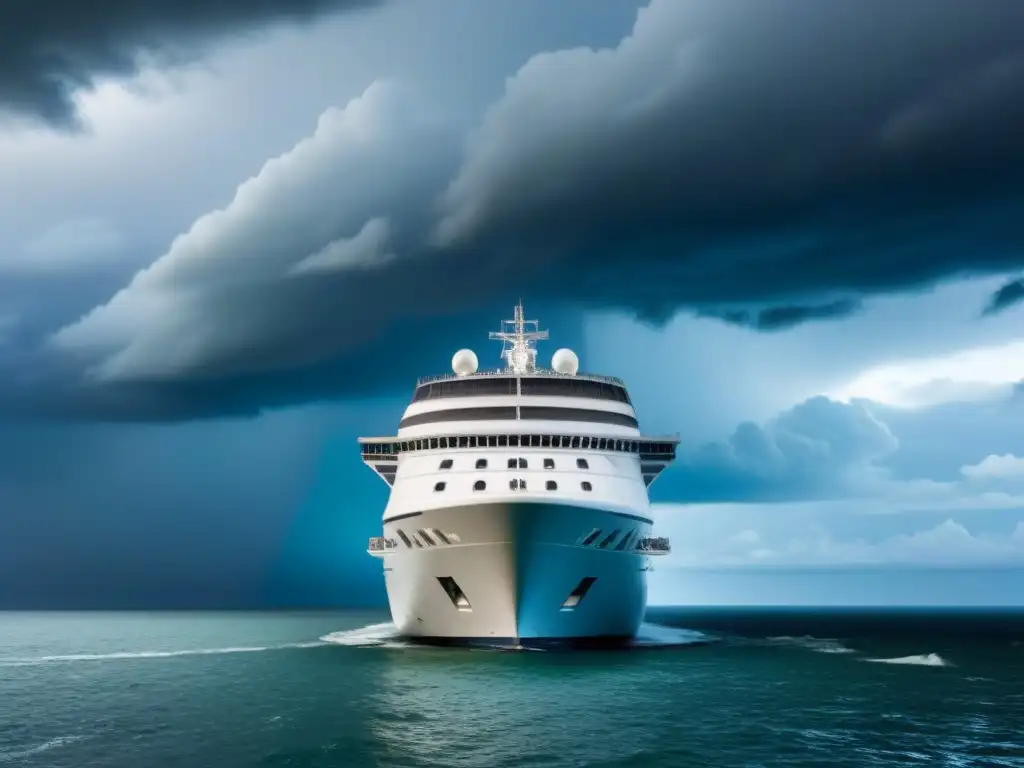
[
  {"x": 508, "y": 372},
  {"x": 381, "y": 544},
  {"x": 654, "y": 545}
]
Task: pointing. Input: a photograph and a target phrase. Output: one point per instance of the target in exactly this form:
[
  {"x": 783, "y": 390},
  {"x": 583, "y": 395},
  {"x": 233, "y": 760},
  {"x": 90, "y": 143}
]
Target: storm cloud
[
  {"x": 51, "y": 48},
  {"x": 768, "y": 164}
]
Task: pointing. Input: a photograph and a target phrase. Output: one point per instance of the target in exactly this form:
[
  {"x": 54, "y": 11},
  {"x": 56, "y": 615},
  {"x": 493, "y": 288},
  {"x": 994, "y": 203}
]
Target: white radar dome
[
  {"x": 464, "y": 362},
  {"x": 565, "y": 361}
]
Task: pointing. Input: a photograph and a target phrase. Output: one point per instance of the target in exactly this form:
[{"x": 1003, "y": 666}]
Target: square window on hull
[
  {"x": 455, "y": 593},
  {"x": 579, "y": 593}
]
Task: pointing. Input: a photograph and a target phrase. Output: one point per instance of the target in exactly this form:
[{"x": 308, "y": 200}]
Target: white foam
[
  {"x": 383, "y": 635},
  {"x": 21, "y": 754},
  {"x": 72, "y": 657},
  {"x": 655, "y": 635},
  {"x": 816, "y": 644},
  {"x": 922, "y": 660}
]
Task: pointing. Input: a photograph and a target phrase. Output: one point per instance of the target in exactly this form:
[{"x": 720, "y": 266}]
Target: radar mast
[{"x": 517, "y": 337}]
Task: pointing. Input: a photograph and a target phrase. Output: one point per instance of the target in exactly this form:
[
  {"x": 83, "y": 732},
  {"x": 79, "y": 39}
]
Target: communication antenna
[{"x": 517, "y": 337}]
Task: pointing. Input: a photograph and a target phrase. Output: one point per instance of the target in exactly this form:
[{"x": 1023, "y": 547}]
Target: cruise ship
[{"x": 518, "y": 510}]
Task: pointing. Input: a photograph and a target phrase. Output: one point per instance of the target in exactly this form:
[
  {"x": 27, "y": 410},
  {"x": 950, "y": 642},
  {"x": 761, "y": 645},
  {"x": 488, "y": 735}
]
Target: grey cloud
[
  {"x": 1008, "y": 295},
  {"x": 784, "y": 317},
  {"x": 757, "y": 151},
  {"x": 696, "y": 166},
  {"x": 50, "y": 48},
  {"x": 817, "y": 449}
]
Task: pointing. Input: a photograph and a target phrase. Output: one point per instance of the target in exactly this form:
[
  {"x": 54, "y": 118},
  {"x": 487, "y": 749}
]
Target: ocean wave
[
  {"x": 816, "y": 644},
  {"x": 660, "y": 636},
  {"x": 921, "y": 660},
  {"x": 22, "y": 661},
  {"x": 13, "y": 755}
]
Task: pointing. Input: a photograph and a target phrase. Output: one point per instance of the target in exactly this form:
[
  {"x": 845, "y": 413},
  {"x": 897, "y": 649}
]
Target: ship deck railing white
[
  {"x": 381, "y": 544},
  {"x": 508, "y": 372},
  {"x": 654, "y": 545}
]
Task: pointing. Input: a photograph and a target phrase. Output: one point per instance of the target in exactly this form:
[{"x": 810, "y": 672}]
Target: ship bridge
[{"x": 520, "y": 405}]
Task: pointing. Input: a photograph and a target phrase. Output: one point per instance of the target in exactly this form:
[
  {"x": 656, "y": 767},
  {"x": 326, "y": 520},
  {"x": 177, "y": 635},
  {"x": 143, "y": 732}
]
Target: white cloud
[
  {"x": 366, "y": 249},
  {"x": 835, "y": 534},
  {"x": 1005, "y": 467},
  {"x": 192, "y": 309},
  {"x": 971, "y": 374}
]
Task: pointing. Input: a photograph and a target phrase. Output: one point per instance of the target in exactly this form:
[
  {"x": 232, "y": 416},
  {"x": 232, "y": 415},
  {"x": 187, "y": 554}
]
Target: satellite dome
[
  {"x": 464, "y": 362},
  {"x": 565, "y": 361}
]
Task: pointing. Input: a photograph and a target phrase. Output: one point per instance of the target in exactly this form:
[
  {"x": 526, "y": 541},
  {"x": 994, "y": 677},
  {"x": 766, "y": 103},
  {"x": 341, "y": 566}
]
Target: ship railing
[
  {"x": 381, "y": 544},
  {"x": 542, "y": 372},
  {"x": 654, "y": 545}
]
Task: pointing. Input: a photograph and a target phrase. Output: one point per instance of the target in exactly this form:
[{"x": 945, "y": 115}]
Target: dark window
[
  {"x": 404, "y": 538},
  {"x": 522, "y": 484},
  {"x": 512, "y": 463},
  {"x": 479, "y": 485},
  {"x": 573, "y": 387},
  {"x": 513, "y": 484},
  {"x": 481, "y": 463},
  {"x": 489, "y": 385},
  {"x": 439, "y": 486},
  {"x": 455, "y": 594},
  {"x": 608, "y": 539},
  {"x": 502, "y": 441},
  {"x": 551, "y": 485},
  {"x": 522, "y": 463},
  {"x": 426, "y": 537},
  {"x": 545, "y": 441},
  {"x": 492, "y": 441},
  {"x": 446, "y": 464},
  {"x": 440, "y": 535},
  {"x": 501, "y": 412},
  {"x": 463, "y": 442},
  {"x": 624, "y": 540},
  {"x": 592, "y": 537},
  {"x": 549, "y": 463},
  {"x": 579, "y": 593},
  {"x": 582, "y": 464},
  {"x": 586, "y": 486}
]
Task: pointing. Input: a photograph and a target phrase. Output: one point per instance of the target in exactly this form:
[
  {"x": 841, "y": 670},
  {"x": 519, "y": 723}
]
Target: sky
[{"x": 232, "y": 235}]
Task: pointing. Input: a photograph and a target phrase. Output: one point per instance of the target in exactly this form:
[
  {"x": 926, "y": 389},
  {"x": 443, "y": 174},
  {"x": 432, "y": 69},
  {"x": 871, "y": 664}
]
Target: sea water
[{"x": 780, "y": 687}]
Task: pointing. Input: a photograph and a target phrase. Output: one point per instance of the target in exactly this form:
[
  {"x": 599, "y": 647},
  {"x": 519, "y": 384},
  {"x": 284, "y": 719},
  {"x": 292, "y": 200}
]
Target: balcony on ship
[
  {"x": 380, "y": 545},
  {"x": 654, "y": 545}
]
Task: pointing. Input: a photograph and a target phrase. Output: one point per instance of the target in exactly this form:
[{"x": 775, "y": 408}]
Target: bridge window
[
  {"x": 586, "y": 486},
  {"x": 608, "y": 539},
  {"x": 549, "y": 463},
  {"x": 446, "y": 464},
  {"x": 522, "y": 463},
  {"x": 439, "y": 486},
  {"x": 404, "y": 538},
  {"x": 582, "y": 464},
  {"x": 426, "y": 537},
  {"x": 551, "y": 485},
  {"x": 512, "y": 463},
  {"x": 481, "y": 463}
]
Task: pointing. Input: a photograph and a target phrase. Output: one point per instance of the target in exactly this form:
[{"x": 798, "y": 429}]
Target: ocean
[{"x": 704, "y": 687}]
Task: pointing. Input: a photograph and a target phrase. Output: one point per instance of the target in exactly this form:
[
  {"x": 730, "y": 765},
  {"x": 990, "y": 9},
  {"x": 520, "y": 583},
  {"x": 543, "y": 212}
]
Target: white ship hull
[{"x": 517, "y": 563}]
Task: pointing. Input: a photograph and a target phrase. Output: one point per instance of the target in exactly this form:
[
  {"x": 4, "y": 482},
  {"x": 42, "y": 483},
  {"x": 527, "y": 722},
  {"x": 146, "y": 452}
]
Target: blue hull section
[{"x": 549, "y": 566}]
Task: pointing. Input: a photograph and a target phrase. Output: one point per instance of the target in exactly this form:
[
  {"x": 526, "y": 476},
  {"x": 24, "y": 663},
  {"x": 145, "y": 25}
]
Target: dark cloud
[
  {"x": 781, "y": 318},
  {"x": 1008, "y": 295},
  {"x": 50, "y": 48},
  {"x": 739, "y": 159}
]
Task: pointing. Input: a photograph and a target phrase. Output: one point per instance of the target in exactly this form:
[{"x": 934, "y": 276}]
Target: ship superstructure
[{"x": 518, "y": 510}]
